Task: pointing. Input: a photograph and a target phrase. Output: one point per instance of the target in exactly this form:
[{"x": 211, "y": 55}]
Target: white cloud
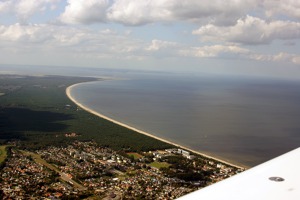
[
  {"x": 108, "y": 43},
  {"x": 85, "y": 12},
  {"x": 75, "y": 41},
  {"x": 5, "y": 6},
  {"x": 250, "y": 30},
  {"x": 108, "y": 31},
  {"x": 213, "y": 11},
  {"x": 137, "y": 12},
  {"x": 296, "y": 59},
  {"x": 54, "y": 36},
  {"x": 82, "y": 42},
  {"x": 19, "y": 33},
  {"x": 224, "y": 28},
  {"x": 280, "y": 57},
  {"x": 289, "y": 8},
  {"x": 24, "y": 9},
  {"x": 44, "y": 35},
  {"x": 236, "y": 52},
  {"x": 214, "y": 51},
  {"x": 159, "y": 44}
]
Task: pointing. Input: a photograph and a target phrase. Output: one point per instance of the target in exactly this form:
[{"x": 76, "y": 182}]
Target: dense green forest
[{"x": 33, "y": 112}]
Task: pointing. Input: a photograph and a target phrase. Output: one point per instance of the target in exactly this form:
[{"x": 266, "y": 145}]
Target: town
[{"x": 84, "y": 170}]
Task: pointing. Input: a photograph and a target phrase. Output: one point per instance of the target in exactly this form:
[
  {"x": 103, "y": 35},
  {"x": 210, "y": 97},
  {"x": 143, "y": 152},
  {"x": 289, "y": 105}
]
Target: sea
[{"x": 243, "y": 120}]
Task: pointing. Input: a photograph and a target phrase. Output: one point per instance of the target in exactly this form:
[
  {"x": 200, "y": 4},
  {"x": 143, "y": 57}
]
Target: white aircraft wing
[{"x": 277, "y": 179}]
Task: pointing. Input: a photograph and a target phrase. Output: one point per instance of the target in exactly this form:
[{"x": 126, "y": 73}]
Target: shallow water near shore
[{"x": 245, "y": 121}]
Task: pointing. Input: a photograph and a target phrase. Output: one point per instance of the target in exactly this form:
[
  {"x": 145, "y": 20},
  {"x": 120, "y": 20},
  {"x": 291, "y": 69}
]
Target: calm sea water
[{"x": 247, "y": 121}]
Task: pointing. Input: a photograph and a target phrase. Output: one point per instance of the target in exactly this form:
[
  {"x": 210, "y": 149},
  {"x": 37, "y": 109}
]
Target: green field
[
  {"x": 159, "y": 165},
  {"x": 34, "y": 112},
  {"x": 3, "y": 153},
  {"x": 135, "y": 155}
]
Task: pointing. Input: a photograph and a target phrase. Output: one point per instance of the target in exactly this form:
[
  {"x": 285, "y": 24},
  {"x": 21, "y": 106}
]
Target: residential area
[{"x": 84, "y": 170}]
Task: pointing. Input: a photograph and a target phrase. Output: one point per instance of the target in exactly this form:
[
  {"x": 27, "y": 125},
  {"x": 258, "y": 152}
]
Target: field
[
  {"x": 159, "y": 165},
  {"x": 135, "y": 155},
  {"x": 34, "y": 112},
  {"x": 2, "y": 153}
]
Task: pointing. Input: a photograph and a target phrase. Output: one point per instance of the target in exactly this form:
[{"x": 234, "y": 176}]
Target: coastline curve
[{"x": 69, "y": 95}]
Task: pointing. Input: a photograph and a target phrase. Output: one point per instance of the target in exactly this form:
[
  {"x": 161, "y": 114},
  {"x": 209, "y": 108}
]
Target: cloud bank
[
  {"x": 250, "y": 30},
  {"x": 255, "y": 30},
  {"x": 136, "y": 12}
]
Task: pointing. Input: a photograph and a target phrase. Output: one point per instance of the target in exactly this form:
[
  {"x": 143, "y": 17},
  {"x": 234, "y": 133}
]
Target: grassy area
[
  {"x": 136, "y": 156},
  {"x": 34, "y": 112},
  {"x": 159, "y": 165},
  {"x": 3, "y": 153}
]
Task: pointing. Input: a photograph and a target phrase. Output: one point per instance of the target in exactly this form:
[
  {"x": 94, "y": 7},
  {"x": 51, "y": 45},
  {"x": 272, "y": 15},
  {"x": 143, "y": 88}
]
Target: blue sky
[{"x": 249, "y": 37}]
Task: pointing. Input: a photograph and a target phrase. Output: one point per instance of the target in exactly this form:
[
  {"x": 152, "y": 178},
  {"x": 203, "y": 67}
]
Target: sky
[{"x": 248, "y": 37}]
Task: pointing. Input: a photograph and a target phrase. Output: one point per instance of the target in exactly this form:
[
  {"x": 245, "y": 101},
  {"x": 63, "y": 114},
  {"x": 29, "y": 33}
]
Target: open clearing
[
  {"x": 3, "y": 153},
  {"x": 135, "y": 155},
  {"x": 159, "y": 165}
]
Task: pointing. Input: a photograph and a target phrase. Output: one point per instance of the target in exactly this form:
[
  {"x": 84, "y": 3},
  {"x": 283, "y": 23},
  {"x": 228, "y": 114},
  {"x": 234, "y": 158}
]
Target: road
[{"x": 37, "y": 158}]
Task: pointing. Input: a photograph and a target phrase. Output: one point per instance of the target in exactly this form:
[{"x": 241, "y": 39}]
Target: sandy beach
[{"x": 68, "y": 93}]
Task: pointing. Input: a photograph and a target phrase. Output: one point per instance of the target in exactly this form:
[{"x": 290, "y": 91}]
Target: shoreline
[{"x": 68, "y": 93}]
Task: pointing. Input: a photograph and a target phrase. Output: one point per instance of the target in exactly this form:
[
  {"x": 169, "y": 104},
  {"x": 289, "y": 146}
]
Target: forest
[{"x": 35, "y": 112}]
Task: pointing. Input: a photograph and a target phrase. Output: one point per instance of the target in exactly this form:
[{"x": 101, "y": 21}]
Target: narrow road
[{"x": 37, "y": 158}]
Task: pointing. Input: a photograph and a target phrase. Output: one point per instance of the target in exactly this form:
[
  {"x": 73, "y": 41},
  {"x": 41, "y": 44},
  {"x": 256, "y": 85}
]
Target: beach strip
[{"x": 68, "y": 93}]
